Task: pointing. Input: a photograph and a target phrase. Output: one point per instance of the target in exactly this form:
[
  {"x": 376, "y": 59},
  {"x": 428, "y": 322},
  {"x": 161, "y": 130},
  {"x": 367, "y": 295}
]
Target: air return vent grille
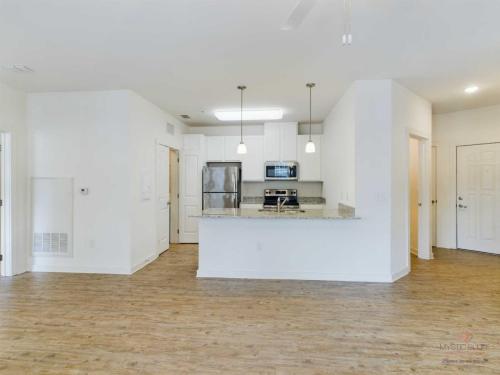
[{"x": 50, "y": 243}]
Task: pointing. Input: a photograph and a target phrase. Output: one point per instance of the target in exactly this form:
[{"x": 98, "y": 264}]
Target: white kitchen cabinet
[
  {"x": 230, "y": 146},
  {"x": 280, "y": 141},
  {"x": 309, "y": 164},
  {"x": 223, "y": 149},
  {"x": 215, "y": 148},
  {"x": 253, "y": 160},
  {"x": 289, "y": 142},
  {"x": 312, "y": 206},
  {"x": 251, "y": 206},
  {"x": 272, "y": 140}
]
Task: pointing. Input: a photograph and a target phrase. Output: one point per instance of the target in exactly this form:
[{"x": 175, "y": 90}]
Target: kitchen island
[{"x": 301, "y": 245}]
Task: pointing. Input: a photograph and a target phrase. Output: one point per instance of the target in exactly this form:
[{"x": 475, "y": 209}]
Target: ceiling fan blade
[{"x": 298, "y": 14}]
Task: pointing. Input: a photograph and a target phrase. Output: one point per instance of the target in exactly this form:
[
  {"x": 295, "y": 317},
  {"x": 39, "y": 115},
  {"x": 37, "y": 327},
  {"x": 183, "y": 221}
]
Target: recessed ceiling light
[
  {"x": 249, "y": 114},
  {"x": 471, "y": 89},
  {"x": 18, "y": 68}
]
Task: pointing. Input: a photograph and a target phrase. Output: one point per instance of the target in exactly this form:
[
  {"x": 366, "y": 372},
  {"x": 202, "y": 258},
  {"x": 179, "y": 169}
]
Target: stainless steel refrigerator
[{"x": 221, "y": 185}]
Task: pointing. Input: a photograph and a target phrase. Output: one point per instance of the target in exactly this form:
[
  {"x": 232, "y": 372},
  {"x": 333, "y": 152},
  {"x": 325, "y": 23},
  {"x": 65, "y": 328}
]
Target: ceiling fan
[{"x": 304, "y": 7}]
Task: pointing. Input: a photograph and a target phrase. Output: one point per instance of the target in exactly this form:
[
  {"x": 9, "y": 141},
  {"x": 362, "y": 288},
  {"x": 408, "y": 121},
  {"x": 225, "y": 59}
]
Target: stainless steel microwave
[{"x": 287, "y": 170}]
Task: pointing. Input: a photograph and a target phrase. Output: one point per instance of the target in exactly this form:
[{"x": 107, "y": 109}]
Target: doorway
[
  {"x": 478, "y": 197},
  {"x": 6, "y": 263},
  {"x": 415, "y": 202},
  {"x": 174, "y": 195},
  {"x": 419, "y": 196},
  {"x": 162, "y": 198}
]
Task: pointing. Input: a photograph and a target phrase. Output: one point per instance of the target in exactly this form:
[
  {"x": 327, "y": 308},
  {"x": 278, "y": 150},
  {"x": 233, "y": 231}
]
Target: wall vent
[
  {"x": 186, "y": 117},
  {"x": 170, "y": 129},
  {"x": 50, "y": 243}
]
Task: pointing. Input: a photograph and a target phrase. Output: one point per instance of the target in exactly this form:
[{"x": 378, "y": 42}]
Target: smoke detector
[{"x": 17, "y": 68}]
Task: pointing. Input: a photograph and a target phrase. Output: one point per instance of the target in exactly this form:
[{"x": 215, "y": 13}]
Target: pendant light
[
  {"x": 310, "y": 147},
  {"x": 242, "y": 147}
]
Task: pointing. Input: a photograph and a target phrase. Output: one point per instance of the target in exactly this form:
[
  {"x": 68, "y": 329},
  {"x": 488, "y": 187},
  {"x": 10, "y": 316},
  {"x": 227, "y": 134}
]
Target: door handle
[{"x": 462, "y": 206}]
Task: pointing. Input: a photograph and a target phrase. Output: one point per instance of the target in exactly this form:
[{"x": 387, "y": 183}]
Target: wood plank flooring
[{"x": 444, "y": 318}]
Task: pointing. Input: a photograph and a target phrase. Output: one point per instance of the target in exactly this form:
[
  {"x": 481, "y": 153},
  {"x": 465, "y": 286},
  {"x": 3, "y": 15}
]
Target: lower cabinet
[{"x": 251, "y": 206}]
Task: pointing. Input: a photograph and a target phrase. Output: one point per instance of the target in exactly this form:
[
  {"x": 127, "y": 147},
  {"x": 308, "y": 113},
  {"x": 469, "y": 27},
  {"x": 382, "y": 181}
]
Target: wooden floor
[{"x": 444, "y": 318}]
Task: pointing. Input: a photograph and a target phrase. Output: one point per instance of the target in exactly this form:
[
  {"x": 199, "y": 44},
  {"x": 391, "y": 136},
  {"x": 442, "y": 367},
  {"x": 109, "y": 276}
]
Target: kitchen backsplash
[{"x": 304, "y": 189}]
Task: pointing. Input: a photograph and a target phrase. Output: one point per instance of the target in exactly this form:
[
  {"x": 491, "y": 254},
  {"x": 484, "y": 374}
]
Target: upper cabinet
[
  {"x": 309, "y": 164},
  {"x": 253, "y": 161},
  {"x": 280, "y": 141},
  {"x": 230, "y": 146},
  {"x": 223, "y": 149},
  {"x": 215, "y": 148}
]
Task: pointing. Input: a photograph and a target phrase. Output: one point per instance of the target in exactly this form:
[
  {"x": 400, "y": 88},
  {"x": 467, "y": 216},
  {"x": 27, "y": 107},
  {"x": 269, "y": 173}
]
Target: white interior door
[
  {"x": 478, "y": 198},
  {"x": 163, "y": 197}
]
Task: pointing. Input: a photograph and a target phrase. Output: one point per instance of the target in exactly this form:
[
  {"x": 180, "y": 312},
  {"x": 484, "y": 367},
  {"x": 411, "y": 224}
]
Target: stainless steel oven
[{"x": 276, "y": 170}]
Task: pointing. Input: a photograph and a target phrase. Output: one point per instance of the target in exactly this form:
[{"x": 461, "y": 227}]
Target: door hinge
[
  {"x": 177, "y": 231},
  {"x": 1, "y": 257},
  {"x": 1, "y": 202}
]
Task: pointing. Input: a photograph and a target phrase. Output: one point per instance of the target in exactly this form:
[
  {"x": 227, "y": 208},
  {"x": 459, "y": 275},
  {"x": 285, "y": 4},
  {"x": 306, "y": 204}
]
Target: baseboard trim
[
  {"x": 143, "y": 264},
  {"x": 397, "y": 275},
  {"x": 80, "y": 269},
  {"x": 254, "y": 274}
]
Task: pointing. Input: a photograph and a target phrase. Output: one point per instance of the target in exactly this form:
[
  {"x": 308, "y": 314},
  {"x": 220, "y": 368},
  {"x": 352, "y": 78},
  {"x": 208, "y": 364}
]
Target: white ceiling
[{"x": 188, "y": 56}]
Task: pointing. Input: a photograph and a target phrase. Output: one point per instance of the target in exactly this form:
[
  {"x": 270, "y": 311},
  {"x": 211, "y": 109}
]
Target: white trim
[
  {"x": 397, "y": 275},
  {"x": 425, "y": 182},
  {"x": 144, "y": 263},
  {"x": 256, "y": 274},
  {"x": 80, "y": 269},
  {"x": 6, "y": 194}
]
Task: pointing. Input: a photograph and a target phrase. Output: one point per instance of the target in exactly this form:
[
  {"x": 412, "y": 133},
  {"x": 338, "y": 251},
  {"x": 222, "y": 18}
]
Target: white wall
[
  {"x": 366, "y": 137},
  {"x": 105, "y": 141},
  {"x": 84, "y": 136},
  {"x": 147, "y": 128},
  {"x": 450, "y": 130},
  {"x": 12, "y": 122},
  {"x": 338, "y": 152}
]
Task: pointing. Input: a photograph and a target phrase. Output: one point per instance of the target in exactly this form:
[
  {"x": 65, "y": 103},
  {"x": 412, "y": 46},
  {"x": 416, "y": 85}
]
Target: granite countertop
[
  {"x": 243, "y": 213},
  {"x": 303, "y": 200}
]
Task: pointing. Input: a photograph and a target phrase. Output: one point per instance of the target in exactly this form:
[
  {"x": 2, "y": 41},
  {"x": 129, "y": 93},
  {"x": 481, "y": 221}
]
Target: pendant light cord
[
  {"x": 241, "y": 116},
  {"x": 241, "y": 88},
  {"x": 310, "y": 113},
  {"x": 310, "y": 85}
]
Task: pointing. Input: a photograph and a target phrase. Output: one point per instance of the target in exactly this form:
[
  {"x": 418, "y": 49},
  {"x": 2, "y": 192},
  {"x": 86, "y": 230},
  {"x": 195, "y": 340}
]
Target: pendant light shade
[
  {"x": 310, "y": 146},
  {"x": 242, "y": 147}
]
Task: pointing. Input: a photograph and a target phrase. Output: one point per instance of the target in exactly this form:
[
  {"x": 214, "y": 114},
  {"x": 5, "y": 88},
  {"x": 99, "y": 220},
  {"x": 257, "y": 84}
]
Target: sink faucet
[{"x": 281, "y": 203}]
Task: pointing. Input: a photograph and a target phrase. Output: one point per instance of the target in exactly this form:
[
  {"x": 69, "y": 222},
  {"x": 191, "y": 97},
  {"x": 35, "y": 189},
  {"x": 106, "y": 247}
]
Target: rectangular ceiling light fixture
[{"x": 249, "y": 114}]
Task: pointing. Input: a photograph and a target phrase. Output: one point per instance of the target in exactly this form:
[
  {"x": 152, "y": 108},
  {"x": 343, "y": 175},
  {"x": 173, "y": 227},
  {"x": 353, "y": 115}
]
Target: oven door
[{"x": 281, "y": 171}]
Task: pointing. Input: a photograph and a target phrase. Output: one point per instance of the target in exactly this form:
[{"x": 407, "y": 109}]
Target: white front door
[
  {"x": 162, "y": 196},
  {"x": 478, "y": 197}
]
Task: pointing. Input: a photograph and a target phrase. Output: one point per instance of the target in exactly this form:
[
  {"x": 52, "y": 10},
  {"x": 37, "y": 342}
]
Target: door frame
[
  {"x": 424, "y": 188},
  {"x": 6, "y": 266},
  {"x": 159, "y": 251},
  {"x": 456, "y": 184},
  {"x": 177, "y": 219}
]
